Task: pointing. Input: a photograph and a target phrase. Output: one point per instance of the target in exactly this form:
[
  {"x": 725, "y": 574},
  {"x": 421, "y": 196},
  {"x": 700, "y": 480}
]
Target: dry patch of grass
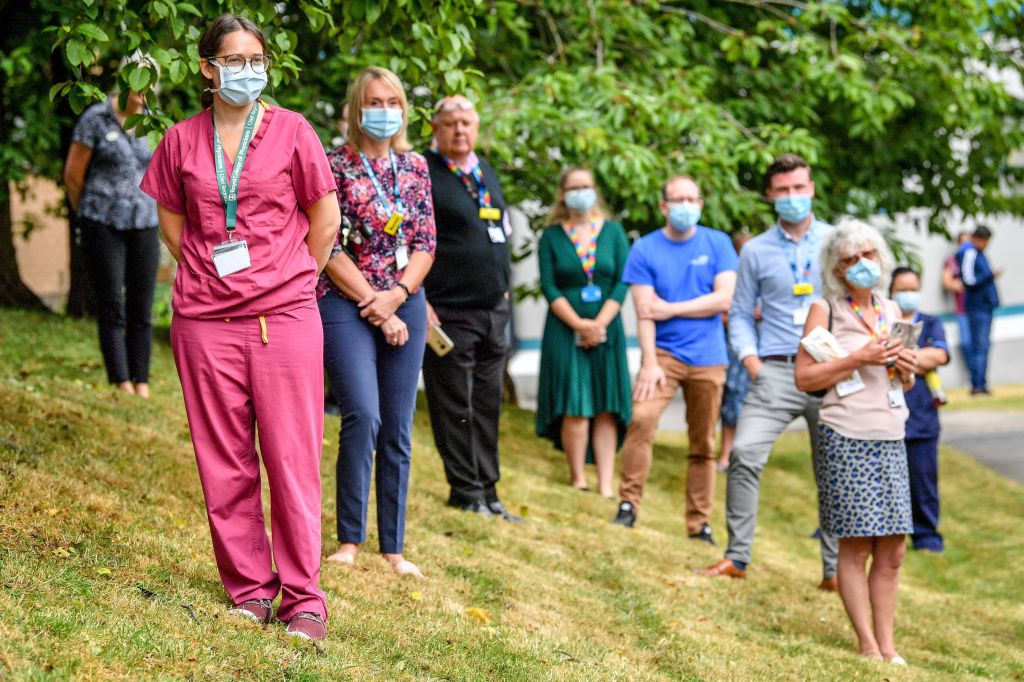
[{"x": 106, "y": 570}]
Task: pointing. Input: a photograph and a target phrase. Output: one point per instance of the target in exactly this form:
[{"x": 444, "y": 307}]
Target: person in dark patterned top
[
  {"x": 104, "y": 167},
  {"x": 374, "y": 312}
]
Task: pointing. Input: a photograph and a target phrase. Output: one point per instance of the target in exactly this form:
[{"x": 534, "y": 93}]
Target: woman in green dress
[{"x": 584, "y": 399}]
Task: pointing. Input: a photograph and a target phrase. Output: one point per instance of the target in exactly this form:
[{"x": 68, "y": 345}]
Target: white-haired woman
[
  {"x": 863, "y": 484},
  {"x": 374, "y": 312}
]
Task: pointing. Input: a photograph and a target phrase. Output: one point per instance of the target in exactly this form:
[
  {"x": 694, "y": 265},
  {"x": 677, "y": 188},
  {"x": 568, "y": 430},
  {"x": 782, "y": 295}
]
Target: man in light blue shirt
[{"x": 779, "y": 270}]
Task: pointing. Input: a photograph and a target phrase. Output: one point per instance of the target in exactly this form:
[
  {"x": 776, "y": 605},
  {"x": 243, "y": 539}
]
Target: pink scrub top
[{"x": 285, "y": 173}]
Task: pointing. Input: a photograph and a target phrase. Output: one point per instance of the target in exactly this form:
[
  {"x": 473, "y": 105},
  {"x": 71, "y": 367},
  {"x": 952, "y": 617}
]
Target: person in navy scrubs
[{"x": 922, "y": 431}]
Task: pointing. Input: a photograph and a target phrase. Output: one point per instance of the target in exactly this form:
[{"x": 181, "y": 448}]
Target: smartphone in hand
[{"x": 438, "y": 341}]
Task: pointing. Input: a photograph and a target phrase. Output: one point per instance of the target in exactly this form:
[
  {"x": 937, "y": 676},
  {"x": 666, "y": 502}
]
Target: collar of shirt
[
  {"x": 472, "y": 161},
  {"x": 809, "y": 235}
]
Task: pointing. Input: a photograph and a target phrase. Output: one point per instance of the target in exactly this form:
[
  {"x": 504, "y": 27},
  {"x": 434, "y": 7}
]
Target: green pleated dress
[{"x": 574, "y": 381}]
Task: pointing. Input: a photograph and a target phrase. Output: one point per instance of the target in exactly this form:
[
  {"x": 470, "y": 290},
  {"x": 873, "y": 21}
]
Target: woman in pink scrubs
[{"x": 247, "y": 207}]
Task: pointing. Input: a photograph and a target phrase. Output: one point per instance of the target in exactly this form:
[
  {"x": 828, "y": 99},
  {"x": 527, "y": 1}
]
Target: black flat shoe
[
  {"x": 704, "y": 535},
  {"x": 626, "y": 516},
  {"x": 473, "y": 508},
  {"x": 498, "y": 509}
]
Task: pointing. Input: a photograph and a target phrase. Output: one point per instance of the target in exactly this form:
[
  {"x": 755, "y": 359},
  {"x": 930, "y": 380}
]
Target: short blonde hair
[
  {"x": 399, "y": 141},
  {"x": 849, "y": 236},
  {"x": 560, "y": 212}
]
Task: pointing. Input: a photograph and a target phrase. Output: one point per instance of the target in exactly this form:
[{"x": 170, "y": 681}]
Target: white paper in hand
[{"x": 823, "y": 346}]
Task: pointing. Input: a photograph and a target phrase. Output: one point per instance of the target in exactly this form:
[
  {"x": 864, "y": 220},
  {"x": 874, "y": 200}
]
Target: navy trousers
[
  {"x": 923, "y": 462},
  {"x": 375, "y": 385},
  {"x": 980, "y": 324}
]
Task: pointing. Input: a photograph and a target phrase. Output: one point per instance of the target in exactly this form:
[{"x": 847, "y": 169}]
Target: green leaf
[
  {"x": 93, "y": 32},
  {"x": 77, "y": 53},
  {"x": 138, "y": 79},
  {"x": 59, "y": 89}
]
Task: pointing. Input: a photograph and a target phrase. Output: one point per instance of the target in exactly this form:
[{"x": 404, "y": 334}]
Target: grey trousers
[{"x": 772, "y": 404}]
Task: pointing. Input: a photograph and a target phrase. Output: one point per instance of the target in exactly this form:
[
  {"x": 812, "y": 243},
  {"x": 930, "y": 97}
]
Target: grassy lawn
[
  {"x": 1002, "y": 398},
  {"x": 107, "y": 573}
]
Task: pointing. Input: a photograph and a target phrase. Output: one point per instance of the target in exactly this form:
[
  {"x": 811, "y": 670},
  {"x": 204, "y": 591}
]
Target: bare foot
[
  {"x": 608, "y": 494},
  {"x": 873, "y": 655},
  {"x": 142, "y": 390},
  {"x": 345, "y": 554},
  {"x": 402, "y": 567},
  {"x": 125, "y": 387}
]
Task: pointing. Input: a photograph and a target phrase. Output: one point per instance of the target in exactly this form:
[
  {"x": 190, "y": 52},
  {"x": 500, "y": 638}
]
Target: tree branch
[
  {"x": 599, "y": 51},
  {"x": 553, "y": 27},
  {"x": 692, "y": 14}
]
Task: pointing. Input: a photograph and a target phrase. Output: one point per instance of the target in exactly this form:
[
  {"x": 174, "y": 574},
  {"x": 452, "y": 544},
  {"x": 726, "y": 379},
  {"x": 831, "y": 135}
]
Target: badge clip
[
  {"x": 490, "y": 213},
  {"x": 803, "y": 289},
  {"x": 394, "y": 222}
]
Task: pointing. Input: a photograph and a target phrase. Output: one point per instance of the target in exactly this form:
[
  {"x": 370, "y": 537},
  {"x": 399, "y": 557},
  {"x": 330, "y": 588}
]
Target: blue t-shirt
[
  {"x": 923, "y": 421},
  {"x": 680, "y": 271}
]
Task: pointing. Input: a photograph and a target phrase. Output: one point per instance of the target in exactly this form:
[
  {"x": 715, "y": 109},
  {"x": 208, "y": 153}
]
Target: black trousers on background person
[
  {"x": 464, "y": 391},
  {"x": 122, "y": 266}
]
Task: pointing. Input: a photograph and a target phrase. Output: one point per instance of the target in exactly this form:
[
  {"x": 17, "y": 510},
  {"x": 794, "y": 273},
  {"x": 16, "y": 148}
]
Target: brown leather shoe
[
  {"x": 724, "y": 568},
  {"x": 829, "y": 584}
]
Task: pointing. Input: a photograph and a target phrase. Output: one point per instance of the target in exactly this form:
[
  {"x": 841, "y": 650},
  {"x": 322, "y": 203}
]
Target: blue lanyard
[
  {"x": 796, "y": 252},
  {"x": 399, "y": 208}
]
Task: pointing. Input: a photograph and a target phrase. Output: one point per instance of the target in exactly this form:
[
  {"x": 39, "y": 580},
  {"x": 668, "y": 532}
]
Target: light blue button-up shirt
[{"x": 766, "y": 275}]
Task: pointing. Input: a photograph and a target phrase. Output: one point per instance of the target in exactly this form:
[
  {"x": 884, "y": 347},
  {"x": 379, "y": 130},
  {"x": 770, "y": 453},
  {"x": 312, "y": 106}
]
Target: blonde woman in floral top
[{"x": 374, "y": 313}]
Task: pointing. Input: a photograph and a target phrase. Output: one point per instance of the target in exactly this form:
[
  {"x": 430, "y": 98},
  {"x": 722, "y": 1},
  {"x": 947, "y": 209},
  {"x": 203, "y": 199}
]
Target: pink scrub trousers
[{"x": 236, "y": 374}]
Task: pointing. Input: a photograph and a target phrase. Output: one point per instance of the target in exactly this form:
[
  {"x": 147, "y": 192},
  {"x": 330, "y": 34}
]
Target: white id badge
[
  {"x": 496, "y": 234},
  {"x": 850, "y": 386},
  {"x": 401, "y": 257},
  {"x": 896, "y": 398},
  {"x": 231, "y": 257},
  {"x": 800, "y": 316}
]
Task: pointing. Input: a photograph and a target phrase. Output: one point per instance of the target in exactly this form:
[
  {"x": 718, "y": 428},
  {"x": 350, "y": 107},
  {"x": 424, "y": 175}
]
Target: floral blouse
[{"x": 363, "y": 213}]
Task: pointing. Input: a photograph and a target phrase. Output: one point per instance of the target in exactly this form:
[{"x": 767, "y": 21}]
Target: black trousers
[
  {"x": 122, "y": 266},
  {"x": 464, "y": 390}
]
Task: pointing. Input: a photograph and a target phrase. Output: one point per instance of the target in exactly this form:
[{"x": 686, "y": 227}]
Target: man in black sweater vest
[{"x": 467, "y": 294}]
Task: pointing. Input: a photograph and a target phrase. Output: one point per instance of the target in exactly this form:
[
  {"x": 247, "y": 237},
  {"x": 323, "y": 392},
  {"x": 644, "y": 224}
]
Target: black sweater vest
[{"x": 470, "y": 271}]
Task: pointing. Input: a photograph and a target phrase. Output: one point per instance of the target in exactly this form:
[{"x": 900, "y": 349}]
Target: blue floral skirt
[
  {"x": 737, "y": 384},
  {"x": 863, "y": 486}
]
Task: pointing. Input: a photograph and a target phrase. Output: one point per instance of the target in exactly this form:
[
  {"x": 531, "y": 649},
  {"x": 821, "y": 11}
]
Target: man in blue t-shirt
[
  {"x": 681, "y": 278},
  {"x": 980, "y": 301},
  {"x": 922, "y": 436}
]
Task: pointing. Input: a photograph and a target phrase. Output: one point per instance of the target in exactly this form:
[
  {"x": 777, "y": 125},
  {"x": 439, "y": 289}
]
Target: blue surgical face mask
[
  {"x": 240, "y": 88},
  {"x": 908, "y": 301},
  {"x": 381, "y": 124},
  {"x": 580, "y": 200},
  {"x": 864, "y": 274},
  {"x": 683, "y": 215},
  {"x": 794, "y": 208}
]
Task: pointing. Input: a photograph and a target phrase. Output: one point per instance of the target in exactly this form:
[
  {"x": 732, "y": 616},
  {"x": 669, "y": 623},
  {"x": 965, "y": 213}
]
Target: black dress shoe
[
  {"x": 626, "y": 516},
  {"x": 498, "y": 509},
  {"x": 704, "y": 535},
  {"x": 473, "y": 507}
]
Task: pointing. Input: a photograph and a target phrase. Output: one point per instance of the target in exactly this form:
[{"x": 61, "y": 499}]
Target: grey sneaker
[
  {"x": 257, "y": 610},
  {"x": 308, "y": 625}
]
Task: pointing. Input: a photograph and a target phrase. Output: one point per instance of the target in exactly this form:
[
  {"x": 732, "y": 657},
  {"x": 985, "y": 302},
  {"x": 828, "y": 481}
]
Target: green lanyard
[{"x": 229, "y": 193}]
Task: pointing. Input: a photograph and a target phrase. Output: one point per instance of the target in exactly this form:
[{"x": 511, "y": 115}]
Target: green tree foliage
[{"x": 898, "y": 104}]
